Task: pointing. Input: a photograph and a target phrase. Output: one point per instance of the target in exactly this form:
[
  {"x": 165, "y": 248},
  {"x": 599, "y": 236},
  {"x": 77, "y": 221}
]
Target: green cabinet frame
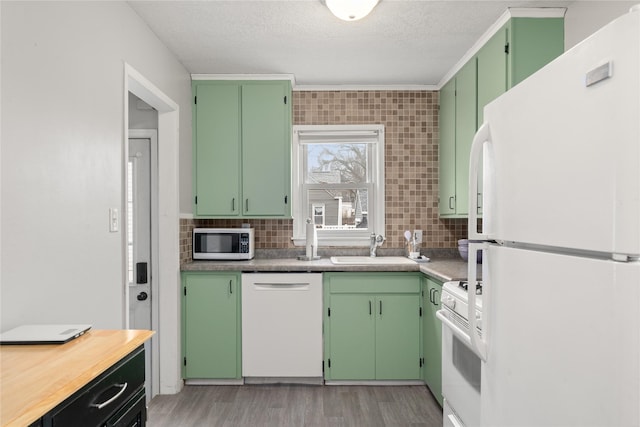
[
  {"x": 372, "y": 325},
  {"x": 211, "y": 341},
  {"x": 242, "y": 149}
]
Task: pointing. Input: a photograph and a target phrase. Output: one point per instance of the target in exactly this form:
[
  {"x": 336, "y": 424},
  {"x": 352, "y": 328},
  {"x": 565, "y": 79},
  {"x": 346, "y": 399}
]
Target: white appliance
[
  {"x": 460, "y": 365},
  {"x": 282, "y": 325},
  {"x": 223, "y": 243},
  {"x": 560, "y": 340}
]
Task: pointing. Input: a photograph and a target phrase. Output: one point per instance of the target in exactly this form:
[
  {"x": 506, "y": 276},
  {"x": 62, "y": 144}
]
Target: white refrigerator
[{"x": 560, "y": 234}]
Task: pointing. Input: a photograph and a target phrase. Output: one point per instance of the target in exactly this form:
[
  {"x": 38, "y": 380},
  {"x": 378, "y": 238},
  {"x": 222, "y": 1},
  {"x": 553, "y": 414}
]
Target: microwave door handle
[
  {"x": 478, "y": 344},
  {"x": 480, "y": 138}
]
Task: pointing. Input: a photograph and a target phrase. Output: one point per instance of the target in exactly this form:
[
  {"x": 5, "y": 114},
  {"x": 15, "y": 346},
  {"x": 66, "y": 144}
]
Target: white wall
[
  {"x": 62, "y": 148},
  {"x": 583, "y": 18}
]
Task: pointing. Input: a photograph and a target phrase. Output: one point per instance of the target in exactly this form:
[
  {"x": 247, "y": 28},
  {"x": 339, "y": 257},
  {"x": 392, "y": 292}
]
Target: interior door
[{"x": 139, "y": 239}]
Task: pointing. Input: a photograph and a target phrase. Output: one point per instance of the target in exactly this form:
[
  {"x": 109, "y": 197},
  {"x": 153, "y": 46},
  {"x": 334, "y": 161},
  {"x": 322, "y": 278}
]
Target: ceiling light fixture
[{"x": 351, "y": 10}]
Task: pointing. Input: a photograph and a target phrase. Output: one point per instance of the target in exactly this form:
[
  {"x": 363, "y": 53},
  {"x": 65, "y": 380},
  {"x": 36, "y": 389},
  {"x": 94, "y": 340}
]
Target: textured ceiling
[{"x": 402, "y": 42}]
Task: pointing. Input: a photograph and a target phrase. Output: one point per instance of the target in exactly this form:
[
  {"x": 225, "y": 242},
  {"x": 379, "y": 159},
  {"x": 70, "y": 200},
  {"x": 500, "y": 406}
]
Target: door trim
[{"x": 168, "y": 241}]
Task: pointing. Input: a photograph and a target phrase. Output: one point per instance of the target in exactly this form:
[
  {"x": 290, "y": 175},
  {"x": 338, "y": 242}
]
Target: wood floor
[{"x": 295, "y": 406}]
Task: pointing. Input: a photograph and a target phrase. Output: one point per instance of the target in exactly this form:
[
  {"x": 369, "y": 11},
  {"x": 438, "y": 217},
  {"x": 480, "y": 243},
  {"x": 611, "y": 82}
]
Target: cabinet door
[
  {"x": 533, "y": 42},
  {"x": 217, "y": 150},
  {"x": 352, "y": 339},
  {"x": 211, "y": 326},
  {"x": 266, "y": 141},
  {"x": 432, "y": 338},
  {"x": 465, "y": 130},
  {"x": 398, "y": 337},
  {"x": 492, "y": 70},
  {"x": 447, "y": 149}
]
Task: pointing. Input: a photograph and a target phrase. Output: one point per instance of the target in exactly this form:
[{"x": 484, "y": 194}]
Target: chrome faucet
[{"x": 376, "y": 240}]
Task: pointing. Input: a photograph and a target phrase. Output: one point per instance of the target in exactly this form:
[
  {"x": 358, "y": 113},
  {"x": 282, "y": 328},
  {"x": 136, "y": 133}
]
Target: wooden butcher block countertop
[{"x": 34, "y": 379}]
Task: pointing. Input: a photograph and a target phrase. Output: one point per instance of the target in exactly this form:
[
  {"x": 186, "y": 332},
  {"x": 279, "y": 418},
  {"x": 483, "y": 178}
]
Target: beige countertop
[
  {"x": 34, "y": 379},
  {"x": 441, "y": 269}
]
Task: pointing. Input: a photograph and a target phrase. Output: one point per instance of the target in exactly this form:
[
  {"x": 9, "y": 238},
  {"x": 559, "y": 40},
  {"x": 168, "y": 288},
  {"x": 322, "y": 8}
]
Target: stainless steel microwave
[{"x": 223, "y": 243}]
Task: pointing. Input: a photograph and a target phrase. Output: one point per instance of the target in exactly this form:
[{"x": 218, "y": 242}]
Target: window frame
[{"x": 375, "y": 133}]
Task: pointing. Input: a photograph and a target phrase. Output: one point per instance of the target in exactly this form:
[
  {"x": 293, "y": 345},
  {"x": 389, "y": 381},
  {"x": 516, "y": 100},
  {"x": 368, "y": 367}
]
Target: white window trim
[{"x": 376, "y": 197}]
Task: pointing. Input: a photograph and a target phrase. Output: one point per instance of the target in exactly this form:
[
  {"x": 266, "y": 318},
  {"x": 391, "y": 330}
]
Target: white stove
[
  {"x": 461, "y": 367},
  {"x": 454, "y": 301}
]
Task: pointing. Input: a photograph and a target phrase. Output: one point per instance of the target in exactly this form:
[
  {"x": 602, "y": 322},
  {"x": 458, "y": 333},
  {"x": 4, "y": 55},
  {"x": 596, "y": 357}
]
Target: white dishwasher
[{"x": 282, "y": 325}]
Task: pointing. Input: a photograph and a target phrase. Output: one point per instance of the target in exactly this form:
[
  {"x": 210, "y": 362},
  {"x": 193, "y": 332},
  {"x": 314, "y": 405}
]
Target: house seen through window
[{"x": 339, "y": 182}]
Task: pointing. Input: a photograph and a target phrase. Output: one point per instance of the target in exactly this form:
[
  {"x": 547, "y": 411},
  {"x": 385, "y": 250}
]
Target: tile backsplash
[{"x": 411, "y": 165}]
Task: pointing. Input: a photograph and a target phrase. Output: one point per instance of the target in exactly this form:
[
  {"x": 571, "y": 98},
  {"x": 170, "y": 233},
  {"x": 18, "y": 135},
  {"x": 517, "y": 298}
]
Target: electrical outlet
[{"x": 418, "y": 235}]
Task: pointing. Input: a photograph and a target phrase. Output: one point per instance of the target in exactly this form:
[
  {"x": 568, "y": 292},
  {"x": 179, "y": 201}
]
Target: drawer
[
  {"x": 133, "y": 414},
  {"x": 99, "y": 400},
  {"x": 354, "y": 283}
]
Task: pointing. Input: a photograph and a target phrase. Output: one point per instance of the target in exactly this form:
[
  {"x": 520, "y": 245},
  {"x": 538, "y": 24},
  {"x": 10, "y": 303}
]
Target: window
[
  {"x": 318, "y": 214},
  {"x": 338, "y": 182}
]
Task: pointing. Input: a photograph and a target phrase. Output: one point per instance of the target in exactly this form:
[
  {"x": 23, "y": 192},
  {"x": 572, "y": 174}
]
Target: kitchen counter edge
[{"x": 442, "y": 269}]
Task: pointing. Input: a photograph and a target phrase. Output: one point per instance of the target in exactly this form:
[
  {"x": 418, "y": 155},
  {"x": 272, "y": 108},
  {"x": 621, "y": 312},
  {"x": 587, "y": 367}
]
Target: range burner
[{"x": 465, "y": 285}]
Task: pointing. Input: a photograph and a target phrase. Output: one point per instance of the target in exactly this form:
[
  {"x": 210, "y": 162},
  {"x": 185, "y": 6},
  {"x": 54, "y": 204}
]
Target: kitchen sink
[{"x": 367, "y": 260}]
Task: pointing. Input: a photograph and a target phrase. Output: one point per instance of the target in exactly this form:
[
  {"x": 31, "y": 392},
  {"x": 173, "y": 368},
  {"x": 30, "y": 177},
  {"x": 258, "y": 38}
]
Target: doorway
[
  {"x": 142, "y": 238},
  {"x": 165, "y": 265}
]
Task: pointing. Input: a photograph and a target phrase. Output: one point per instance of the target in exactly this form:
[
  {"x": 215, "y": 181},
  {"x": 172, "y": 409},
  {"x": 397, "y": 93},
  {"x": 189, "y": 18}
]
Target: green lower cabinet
[
  {"x": 353, "y": 343},
  {"x": 372, "y": 326},
  {"x": 398, "y": 337},
  {"x": 211, "y": 325},
  {"x": 432, "y": 337}
]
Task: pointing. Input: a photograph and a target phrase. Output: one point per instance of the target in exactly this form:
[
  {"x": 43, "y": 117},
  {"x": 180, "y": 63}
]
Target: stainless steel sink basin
[{"x": 366, "y": 260}]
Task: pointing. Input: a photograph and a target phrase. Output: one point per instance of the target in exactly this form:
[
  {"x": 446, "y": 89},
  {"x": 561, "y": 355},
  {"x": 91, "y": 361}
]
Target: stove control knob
[{"x": 449, "y": 302}]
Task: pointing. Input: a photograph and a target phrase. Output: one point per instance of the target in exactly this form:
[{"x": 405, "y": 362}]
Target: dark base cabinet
[{"x": 114, "y": 399}]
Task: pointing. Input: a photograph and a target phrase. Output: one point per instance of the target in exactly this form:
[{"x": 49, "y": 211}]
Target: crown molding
[
  {"x": 289, "y": 77},
  {"x": 320, "y": 88}
]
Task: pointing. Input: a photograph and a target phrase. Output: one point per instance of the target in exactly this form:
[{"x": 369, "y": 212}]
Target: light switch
[
  {"x": 418, "y": 235},
  {"x": 114, "y": 222}
]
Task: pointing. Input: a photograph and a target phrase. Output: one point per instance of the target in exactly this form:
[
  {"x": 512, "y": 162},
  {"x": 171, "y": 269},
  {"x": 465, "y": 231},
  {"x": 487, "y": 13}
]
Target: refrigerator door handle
[
  {"x": 478, "y": 343},
  {"x": 481, "y": 137}
]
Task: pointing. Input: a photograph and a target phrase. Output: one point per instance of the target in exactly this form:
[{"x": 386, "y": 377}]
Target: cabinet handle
[
  {"x": 230, "y": 287},
  {"x": 369, "y": 307},
  {"x": 431, "y": 295},
  {"x": 123, "y": 387},
  {"x": 435, "y": 297},
  {"x": 451, "y": 199},
  {"x": 233, "y": 204},
  {"x": 380, "y": 307},
  {"x": 246, "y": 204}
]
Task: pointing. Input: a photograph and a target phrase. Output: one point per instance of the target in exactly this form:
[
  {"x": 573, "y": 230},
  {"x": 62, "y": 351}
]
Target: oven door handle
[{"x": 457, "y": 331}]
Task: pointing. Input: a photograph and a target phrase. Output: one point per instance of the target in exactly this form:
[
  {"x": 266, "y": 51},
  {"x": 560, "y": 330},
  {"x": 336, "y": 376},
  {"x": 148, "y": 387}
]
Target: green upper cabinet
[
  {"x": 447, "y": 148},
  {"x": 217, "y": 149},
  {"x": 518, "y": 49},
  {"x": 492, "y": 70},
  {"x": 465, "y": 129},
  {"x": 242, "y": 149}
]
